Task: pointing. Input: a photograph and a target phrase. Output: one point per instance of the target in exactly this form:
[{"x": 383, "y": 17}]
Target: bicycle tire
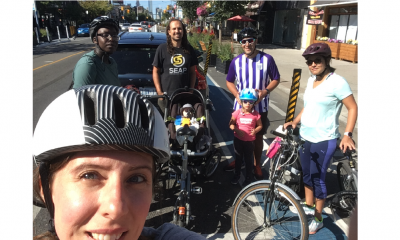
[
  {"x": 248, "y": 212},
  {"x": 212, "y": 164},
  {"x": 345, "y": 177}
]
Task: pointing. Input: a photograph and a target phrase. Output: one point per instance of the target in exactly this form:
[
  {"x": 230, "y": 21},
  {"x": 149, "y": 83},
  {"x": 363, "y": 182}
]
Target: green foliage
[
  {"x": 165, "y": 16},
  {"x": 130, "y": 17},
  {"x": 79, "y": 22},
  {"x": 227, "y": 9},
  {"x": 215, "y": 46},
  {"x": 73, "y": 12},
  {"x": 142, "y": 17},
  {"x": 96, "y": 8},
  {"x": 43, "y": 32},
  {"x": 194, "y": 40},
  {"x": 189, "y": 8},
  {"x": 225, "y": 53}
]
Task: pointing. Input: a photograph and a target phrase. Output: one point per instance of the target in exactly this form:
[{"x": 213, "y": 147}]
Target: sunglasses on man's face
[
  {"x": 317, "y": 61},
  {"x": 248, "y": 101},
  {"x": 250, "y": 41}
]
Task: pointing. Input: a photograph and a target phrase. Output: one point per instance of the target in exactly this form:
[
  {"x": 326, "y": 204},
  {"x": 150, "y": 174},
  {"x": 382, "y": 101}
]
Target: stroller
[{"x": 192, "y": 152}]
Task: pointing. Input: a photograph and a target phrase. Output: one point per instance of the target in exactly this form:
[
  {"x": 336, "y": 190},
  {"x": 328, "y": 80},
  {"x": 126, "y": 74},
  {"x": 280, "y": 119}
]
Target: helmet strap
[
  {"x": 322, "y": 74},
  {"x": 98, "y": 48}
]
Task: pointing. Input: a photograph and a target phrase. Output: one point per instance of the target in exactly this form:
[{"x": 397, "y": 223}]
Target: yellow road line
[{"x": 59, "y": 60}]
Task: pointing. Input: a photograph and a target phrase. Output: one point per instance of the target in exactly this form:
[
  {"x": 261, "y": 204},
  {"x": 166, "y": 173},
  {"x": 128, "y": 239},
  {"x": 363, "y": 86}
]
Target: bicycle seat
[{"x": 186, "y": 131}]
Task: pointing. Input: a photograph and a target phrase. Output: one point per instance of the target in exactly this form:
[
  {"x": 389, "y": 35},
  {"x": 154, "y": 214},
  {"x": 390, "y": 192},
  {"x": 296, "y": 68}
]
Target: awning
[{"x": 322, "y": 3}]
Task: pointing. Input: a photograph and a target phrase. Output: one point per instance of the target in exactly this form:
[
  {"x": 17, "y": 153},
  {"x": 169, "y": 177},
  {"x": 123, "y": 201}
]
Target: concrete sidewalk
[{"x": 53, "y": 42}]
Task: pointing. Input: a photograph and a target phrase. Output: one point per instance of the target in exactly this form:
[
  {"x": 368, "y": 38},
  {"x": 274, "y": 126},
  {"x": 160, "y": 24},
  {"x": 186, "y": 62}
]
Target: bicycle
[
  {"x": 263, "y": 209},
  {"x": 347, "y": 176}
]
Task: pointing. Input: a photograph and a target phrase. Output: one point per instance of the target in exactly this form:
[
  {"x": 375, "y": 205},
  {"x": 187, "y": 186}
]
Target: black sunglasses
[
  {"x": 317, "y": 61},
  {"x": 248, "y": 101},
  {"x": 244, "y": 41}
]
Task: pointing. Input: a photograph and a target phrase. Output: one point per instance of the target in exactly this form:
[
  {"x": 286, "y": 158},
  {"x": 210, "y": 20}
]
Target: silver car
[
  {"x": 136, "y": 28},
  {"x": 125, "y": 27}
]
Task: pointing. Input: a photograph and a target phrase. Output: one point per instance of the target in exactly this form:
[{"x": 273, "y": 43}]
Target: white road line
[{"x": 225, "y": 143}]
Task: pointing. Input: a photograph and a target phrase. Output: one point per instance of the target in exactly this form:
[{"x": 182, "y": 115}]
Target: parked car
[
  {"x": 134, "y": 57},
  {"x": 83, "y": 30},
  {"x": 125, "y": 27},
  {"x": 136, "y": 28}
]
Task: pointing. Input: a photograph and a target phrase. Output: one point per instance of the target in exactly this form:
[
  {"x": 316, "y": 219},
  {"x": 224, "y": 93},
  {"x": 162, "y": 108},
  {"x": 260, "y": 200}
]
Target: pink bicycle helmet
[{"x": 318, "y": 49}]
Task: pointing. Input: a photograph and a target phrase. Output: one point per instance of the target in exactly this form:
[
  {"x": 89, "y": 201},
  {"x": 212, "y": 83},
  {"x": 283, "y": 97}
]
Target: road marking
[
  {"x": 225, "y": 143},
  {"x": 59, "y": 60}
]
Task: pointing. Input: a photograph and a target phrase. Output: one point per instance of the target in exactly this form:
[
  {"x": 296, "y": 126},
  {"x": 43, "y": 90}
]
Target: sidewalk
[{"x": 53, "y": 42}]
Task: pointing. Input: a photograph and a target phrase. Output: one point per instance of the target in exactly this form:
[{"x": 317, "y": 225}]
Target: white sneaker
[
  {"x": 315, "y": 225},
  {"x": 307, "y": 210}
]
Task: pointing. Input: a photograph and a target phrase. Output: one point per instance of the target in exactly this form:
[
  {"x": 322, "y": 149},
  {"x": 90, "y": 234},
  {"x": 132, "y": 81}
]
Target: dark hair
[
  {"x": 59, "y": 163},
  {"x": 184, "y": 44},
  {"x": 328, "y": 63}
]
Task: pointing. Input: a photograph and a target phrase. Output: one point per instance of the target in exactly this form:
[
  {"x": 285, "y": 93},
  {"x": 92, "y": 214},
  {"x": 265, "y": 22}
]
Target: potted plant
[
  {"x": 43, "y": 35},
  {"x": 224, "y": 58}
]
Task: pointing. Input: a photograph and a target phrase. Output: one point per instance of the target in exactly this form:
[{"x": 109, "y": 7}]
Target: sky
[{"x": 156, "y": 4}]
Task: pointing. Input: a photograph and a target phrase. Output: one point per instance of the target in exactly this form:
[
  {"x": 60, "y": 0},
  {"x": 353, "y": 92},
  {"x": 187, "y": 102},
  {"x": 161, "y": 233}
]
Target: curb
[{"x": 53, "y": 42}]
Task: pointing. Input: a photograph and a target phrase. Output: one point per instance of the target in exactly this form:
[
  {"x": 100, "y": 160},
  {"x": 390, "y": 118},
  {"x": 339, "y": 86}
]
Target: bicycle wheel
[
  {"x": 248, "y": 215},
  {"x": 345, "y": 177},
  {"x": 212, "y": 163}
]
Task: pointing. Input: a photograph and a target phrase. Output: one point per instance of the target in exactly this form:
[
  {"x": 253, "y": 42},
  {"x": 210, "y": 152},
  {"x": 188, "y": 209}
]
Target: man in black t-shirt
[{"x": 174, "y": 62}]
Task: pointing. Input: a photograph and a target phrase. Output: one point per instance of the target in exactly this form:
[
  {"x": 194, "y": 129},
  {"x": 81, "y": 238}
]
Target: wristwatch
[
  {"x": 268, "y": 91},
  {"x": 348, "y": 134}
]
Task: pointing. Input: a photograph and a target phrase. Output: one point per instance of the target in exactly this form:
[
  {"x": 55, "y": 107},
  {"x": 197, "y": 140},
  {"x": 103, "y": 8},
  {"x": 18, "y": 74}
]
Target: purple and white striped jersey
[{"x": 254, "y": 73}]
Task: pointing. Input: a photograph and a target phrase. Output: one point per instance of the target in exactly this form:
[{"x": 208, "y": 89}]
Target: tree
[
  {"x": 227, "y": 9},
  {"x": 142, "y": 17},
  {"x": 74, "y": 12},
  {"x": 130, "y": 17},
  {"x": 189, "y": 8},
  {"x": 165, "y": 16},
  {"x": 96, "y": 8}
]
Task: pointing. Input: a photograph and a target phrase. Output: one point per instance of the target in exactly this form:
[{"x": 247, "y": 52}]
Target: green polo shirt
[{"x": 90, "y": 70}]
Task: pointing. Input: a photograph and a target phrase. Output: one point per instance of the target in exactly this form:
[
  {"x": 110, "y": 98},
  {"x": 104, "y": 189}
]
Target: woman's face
[
  {"x": 316, "y": 64},
  {"x": 101, "y": 195}
]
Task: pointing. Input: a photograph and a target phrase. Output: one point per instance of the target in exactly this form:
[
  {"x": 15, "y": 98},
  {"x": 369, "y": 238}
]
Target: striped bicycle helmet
[{"x": 97, "y": 117}]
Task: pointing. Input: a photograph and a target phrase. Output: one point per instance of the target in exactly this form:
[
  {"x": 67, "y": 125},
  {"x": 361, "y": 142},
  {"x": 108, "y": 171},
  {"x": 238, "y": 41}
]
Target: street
[{"x": 52, "y": 75}]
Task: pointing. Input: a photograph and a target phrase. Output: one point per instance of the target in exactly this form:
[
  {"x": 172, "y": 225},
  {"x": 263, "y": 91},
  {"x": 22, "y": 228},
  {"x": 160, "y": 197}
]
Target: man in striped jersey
[{"x": 257, "y": 70}]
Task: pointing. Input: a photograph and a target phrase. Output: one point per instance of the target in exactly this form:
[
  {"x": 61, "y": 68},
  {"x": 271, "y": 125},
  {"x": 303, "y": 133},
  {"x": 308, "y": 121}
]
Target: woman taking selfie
[{"x": 96, "y": 148}]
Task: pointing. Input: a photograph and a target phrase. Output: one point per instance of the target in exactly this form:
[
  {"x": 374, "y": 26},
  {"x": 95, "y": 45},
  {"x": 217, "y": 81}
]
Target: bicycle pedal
[{"x": 197, "y": 190}]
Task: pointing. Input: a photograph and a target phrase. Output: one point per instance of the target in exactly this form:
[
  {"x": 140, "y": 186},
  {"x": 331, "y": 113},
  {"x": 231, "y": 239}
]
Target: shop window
[{"x": 343, "y": 27}]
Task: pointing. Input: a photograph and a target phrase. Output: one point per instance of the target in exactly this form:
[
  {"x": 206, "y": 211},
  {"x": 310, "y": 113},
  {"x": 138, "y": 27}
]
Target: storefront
[{"x": 339, "y": 27}]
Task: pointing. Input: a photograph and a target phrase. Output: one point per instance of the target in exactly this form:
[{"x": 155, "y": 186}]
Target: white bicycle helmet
[{"x": 98, "y": 117}]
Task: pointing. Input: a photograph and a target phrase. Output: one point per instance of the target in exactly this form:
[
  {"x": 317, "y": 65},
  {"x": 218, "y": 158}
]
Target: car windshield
[
  {"x": 135, "y": 25},
  {"x": 135, "y": 59},
  {"x": 85, "y": 25},
  {"x": 126, "y": 24}
]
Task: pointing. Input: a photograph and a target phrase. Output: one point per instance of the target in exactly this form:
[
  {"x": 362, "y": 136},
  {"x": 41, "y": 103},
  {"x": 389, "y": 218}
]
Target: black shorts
[{"x": 265, "y": 123}]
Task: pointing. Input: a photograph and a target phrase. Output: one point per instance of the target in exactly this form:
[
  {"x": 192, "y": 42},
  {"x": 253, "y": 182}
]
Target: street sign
[{"x": 315, "y": 17}]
